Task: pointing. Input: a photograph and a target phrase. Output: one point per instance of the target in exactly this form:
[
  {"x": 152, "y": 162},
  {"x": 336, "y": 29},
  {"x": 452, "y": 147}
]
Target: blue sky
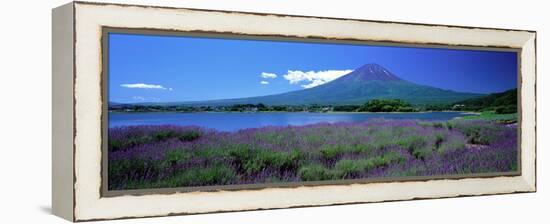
[{"x": 149, "y": 68}]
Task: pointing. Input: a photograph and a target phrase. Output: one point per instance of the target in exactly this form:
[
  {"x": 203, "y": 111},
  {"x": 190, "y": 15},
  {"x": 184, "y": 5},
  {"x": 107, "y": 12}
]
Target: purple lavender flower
[{"x": 179, "y": 156}]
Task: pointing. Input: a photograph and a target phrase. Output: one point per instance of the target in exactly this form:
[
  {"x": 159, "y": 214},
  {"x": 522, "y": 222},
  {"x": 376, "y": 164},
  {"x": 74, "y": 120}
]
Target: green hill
[{"x": 503, "y": 103}]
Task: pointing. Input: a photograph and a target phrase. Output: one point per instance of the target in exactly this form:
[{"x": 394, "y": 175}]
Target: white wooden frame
[{"x": 77, "y": 110}]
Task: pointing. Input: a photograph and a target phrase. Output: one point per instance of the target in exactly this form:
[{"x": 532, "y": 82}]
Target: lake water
[{"x": 235, "y": 121}]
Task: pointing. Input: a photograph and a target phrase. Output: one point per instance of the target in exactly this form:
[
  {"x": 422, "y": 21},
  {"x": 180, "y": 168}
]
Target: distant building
[{"x": 458, "y": 106}]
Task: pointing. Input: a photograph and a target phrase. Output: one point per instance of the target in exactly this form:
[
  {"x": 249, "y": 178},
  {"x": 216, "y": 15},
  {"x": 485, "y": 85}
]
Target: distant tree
[
  {"x": 387, "y": 108},
  {"x": 504, "y": 102},
  {"x": 405, "y": 109},
  {"x": 346, "y": 108},
  {"x": 385, "y": 105},
  {"x": 509, "y": 109},
  {"x": 278, "y": 108}
]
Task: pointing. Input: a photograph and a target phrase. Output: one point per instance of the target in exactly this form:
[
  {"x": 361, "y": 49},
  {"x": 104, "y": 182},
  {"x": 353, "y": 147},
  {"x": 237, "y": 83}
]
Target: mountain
[
  {"x": 507, "y": 101},
  {"x": 370, "y": 81}
]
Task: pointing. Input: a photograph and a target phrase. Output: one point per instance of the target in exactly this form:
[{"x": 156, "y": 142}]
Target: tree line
[
  {"x": 392, "y": 105},
  {"x": 501, "y": 103}
]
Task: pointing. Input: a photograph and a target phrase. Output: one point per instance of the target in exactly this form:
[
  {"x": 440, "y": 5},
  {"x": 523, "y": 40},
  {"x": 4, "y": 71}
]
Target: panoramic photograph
[{"x": 190, "y": 111}]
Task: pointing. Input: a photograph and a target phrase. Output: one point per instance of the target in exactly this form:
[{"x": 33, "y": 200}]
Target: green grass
[
  {"x": 483, "y": 133},
  {"x": 218, "y": 174},
  {"x": 347, "y": 168},
  {"x": 492, "y": 116},
  {"x": 315, "y": 172},
  {"x": 451, "y": 145},
  {"x": 251, "y": 160}
]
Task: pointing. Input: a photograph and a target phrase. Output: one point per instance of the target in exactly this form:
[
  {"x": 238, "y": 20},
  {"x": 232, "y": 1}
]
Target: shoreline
[{"x": 328, "y": 112}]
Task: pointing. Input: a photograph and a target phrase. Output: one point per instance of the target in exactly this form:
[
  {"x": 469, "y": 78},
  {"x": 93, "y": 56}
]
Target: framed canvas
[{"x": 172, "y": 111}]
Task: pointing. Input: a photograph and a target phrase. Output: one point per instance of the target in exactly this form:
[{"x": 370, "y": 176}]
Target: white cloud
[
  {"x": 266, "y": 75},
  {"x": 314, "y": 83},
  {"x": 145, "y": 86},
  {"x": 264, "y": 82},
  {"x": 141, "y": 98},
  {"x": 314, "y": 78}
]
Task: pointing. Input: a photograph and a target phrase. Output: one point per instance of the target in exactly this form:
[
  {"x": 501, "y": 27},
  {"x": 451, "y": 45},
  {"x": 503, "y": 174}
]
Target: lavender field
[{"x": 146, "y": 156}]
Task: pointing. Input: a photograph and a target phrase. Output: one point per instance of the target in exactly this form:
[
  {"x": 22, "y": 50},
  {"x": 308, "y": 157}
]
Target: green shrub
[
  {"x": 449, "y": 125},
  {"x": 255, "y": 160},
  {"x": 347, "y": 168},
  {"x": 416, "y": 145},
  {"x": 210, "y": 152},
  {"x": 163, "y": 135},
  {"x": 451, "y": 145},
  {"x": 437, "y": 125},
  {"x": 187, "y": 135},
  {"x": 439, "y": 138},
  {"x": 478, "y": 132},
  {"x": 412, "y": 143},
  {"x": 132, "y": 170},
  {"x": 173, "y": 157},
  {"x": 314, "y": 172},
  {"x": 115, "y": 145},
  {"x": 509, "y": 109},
  {"x": 154, "y": 136},
  {"x": 360, "y": 148},
  {"x": 391, "y": 157},
  {"x": 215, "y": 175},
  {"x": 331, "y": 152},
  {"x": 379, "y": 161},
  {"x": 422, "y": 153}
]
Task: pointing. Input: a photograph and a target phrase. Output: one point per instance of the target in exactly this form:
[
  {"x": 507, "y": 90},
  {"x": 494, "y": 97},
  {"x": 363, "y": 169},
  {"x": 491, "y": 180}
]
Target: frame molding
[
  {"x": 85, "y": 136},
  {"x": 105, "y": 86}
]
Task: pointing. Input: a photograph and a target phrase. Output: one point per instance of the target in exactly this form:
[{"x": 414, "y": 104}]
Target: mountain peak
[
  {"x": 368, "y": 82},
  {"x": 372, "y": 72}
]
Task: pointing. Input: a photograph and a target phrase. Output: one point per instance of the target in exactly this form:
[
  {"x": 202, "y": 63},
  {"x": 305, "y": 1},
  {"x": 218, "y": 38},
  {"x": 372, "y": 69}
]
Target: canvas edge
[
  {"x": 529, "y": 181},
  {"x": 62, "y": 197},
  {"x": 294, "y": 15},
  {"x": 529, "y": 111}
]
